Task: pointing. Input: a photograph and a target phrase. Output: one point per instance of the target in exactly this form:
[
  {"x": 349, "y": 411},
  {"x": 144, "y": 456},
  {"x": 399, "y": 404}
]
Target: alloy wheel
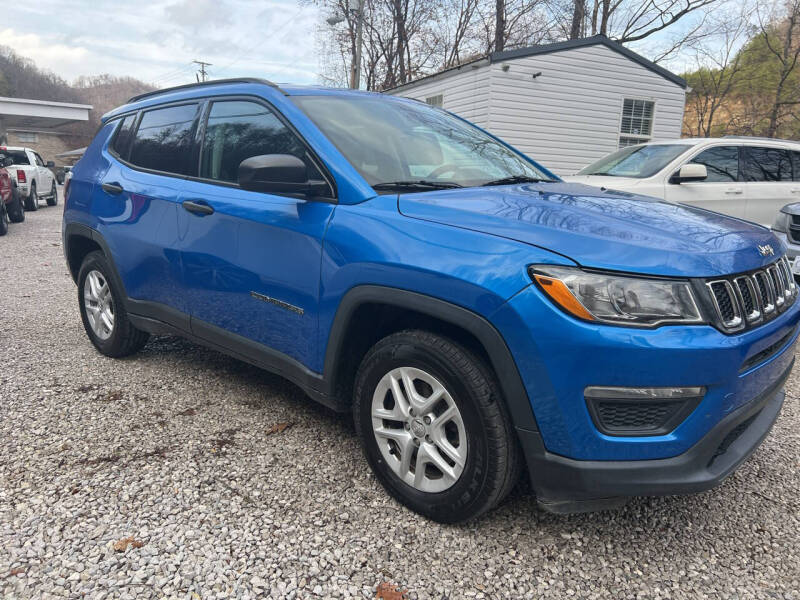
[
  {"x": 419, "y": 429},
  {"x": 99, "y": 304}
]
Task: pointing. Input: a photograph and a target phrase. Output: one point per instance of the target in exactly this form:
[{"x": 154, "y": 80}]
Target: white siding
[
  {"x": 567, "y": 117},
  {"x": 464, "y": 92}
]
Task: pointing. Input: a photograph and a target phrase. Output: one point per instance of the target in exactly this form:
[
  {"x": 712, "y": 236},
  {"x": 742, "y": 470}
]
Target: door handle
[
  {"x": 198, "y": 208},
  {"x": 796, "y": 190},
  {"x": 112, "y": 188},
  {"x": 733, "y": 191}
]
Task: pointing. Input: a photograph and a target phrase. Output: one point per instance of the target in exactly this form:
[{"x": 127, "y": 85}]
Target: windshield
[
  {"x": 390, "y": 141},
  {"x": 636, "y": 161},
  {"x": 18, "y": 156}
]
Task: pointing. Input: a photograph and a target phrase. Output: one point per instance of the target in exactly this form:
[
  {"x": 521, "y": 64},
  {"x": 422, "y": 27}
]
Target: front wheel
[
  {"x": 434, "y": 429},
  {"x": 103, "y": 312},
  {"x": 52, "y": 199},
  {"x": 32, "y": 201}
]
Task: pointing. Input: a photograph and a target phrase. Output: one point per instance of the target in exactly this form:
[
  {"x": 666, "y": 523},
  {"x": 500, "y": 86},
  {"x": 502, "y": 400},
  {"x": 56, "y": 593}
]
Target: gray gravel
[{"x": 173, "y": 448}]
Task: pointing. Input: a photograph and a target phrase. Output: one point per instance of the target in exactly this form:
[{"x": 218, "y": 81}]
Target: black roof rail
[{"x": 201, "y": 84}]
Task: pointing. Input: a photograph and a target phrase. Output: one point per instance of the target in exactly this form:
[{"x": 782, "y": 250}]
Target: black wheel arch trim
[{"x": 502, "y": 361}]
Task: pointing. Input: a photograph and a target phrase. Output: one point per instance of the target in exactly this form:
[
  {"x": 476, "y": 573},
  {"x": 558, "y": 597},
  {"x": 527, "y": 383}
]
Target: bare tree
[
  {"x": 780, "y": 40},
  {"x": 578, "y": 18},
  {"x": 718, "y": 58}
]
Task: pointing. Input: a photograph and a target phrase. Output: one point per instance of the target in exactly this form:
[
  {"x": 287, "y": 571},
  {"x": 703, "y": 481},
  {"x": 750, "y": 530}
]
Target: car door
[
  {"x": 722, "y": 191},
  {"x": 44, "y": 177},
  {"x": 768, "y": 177},
  {"x": 251, "y": 259},
  {"x": 137, "y": 204}
]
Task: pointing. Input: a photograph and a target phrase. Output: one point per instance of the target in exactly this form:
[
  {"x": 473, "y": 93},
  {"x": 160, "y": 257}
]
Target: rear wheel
[
  {"x": 434, "y": 429},
  {"x": 16, "y": 212},
  {"x": 32, "y": 201},
  {"x": 3, "y": 219},
  {"x": 52, "y": 199},
  {"x": 103, "y": 312}
]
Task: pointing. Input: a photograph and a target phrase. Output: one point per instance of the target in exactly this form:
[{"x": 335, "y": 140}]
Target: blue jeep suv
[{"x": 479, "y": 316}]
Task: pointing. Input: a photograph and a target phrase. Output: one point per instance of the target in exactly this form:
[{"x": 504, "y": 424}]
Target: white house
[{"x": 565, "y": 104}]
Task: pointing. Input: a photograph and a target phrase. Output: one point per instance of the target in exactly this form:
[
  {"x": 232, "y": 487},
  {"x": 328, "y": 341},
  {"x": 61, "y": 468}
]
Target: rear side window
[
  {"x": 767, "y": 164},
  {"x": 163, "y": 141},
  {"x": 796, "y": 159},
  {"x": 722, "y": 163},
  {"x": 122, "y": 141},
  {"x": 18, "y": 156},
  {"x": 238, "y": 129}
]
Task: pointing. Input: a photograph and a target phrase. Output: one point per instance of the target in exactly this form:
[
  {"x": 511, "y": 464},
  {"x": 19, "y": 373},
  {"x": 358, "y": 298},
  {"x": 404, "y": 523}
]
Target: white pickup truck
[{"x": 35, "y": 180}]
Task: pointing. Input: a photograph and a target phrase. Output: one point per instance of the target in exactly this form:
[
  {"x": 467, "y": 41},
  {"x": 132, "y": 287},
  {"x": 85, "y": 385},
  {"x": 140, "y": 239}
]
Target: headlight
[
  {"x": 617, "y": 299},
  {"x": 781, "y": 223}
]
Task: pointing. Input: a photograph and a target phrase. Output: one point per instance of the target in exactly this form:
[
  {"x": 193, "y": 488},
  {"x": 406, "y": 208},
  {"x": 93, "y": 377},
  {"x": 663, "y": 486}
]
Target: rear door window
[
  {"x": 767, "y": 164},
  {"x": 20, "y": 157},
  {"x": 121, "y": 143},
  {"x": 163, "y": 141},
  {"x": 237, "y": 130},
  {"x": 722, "y": 163}
]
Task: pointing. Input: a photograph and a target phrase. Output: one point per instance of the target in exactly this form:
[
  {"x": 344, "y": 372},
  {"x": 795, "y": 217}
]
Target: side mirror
[
  {"x": 690, "y": 172},
  {"x": 278, "y": 174},
  {"x": 50, "y": 164}
]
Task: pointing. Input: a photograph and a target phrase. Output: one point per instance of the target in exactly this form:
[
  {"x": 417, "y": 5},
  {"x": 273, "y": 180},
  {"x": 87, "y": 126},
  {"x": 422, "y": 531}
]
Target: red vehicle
[{"x": 11, "y": 208}]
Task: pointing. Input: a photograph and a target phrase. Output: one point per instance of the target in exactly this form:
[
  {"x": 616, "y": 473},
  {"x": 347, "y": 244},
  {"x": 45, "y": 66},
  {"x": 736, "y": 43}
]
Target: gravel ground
[{"x": 176, "y": 456}]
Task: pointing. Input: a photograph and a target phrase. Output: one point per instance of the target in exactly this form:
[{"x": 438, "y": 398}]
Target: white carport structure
[{"x": 38, "y": 116}]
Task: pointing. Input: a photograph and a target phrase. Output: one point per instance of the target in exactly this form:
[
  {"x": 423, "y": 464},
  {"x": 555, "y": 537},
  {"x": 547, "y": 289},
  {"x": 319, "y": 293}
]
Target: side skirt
[{"x": 160, "y": 320}]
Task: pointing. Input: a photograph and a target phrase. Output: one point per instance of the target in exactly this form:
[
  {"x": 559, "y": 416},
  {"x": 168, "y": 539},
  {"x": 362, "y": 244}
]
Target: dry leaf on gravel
[
  {"x": 122, "y": 545},
  {"x": 389, "y": 591},
  {"x": 278, "y": 428}
]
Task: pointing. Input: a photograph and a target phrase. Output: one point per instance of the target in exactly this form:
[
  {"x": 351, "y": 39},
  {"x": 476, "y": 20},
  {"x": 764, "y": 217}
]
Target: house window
[
  {"x": 636, "y": 126},
  {"x": 27, "y": 137},
  {"x": 435, "y": 100}
]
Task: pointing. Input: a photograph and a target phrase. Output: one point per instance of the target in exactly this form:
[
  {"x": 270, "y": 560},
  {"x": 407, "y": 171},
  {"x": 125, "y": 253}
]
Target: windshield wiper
[
  {"x": 603, "y": 173},
  {"x": 419, "y": 184},
  {"x": 517, "y": 179}
]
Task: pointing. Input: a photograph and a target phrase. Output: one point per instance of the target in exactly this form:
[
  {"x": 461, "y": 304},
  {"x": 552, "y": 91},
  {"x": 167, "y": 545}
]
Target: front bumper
[{"x": 565, "y": 485}]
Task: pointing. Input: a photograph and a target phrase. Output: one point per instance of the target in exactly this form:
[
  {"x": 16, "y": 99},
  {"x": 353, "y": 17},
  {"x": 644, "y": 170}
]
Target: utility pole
[
  {"x": 356, "y": 11},
  {"x": 355, "y": 75},
  {"x": 203, "y": 65}
]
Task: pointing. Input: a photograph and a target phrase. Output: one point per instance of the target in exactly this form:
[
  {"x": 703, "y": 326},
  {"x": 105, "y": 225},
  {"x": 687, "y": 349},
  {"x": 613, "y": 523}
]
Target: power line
[{"x": 203, "y": 65}]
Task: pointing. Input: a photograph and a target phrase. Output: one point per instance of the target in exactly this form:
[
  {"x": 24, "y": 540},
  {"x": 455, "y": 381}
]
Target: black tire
[
  {"x": 3, "y": 219},
  {"x": 125, "y": 339},
  {"x": 493, "y": 458},
  {"x": 16, "y": 212},
  {"x": 32, "y": 201},
  {"x": 52, "y": 199}
]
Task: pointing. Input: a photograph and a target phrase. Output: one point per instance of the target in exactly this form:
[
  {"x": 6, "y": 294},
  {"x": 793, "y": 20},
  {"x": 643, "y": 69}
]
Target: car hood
[
  {"x": 602, "y": 229},
  {"x": 605, "y": 181}
]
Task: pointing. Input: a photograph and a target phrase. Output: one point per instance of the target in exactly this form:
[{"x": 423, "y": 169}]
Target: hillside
[{"x": 21, "y": 78}]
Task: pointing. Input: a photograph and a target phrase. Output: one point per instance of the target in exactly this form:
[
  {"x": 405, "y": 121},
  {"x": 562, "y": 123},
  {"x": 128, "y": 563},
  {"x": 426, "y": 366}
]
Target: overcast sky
[{"x": 156, "y": 40}]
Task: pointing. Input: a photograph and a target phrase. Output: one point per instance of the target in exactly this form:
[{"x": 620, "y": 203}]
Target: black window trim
[{"x": 204, "y": 104}]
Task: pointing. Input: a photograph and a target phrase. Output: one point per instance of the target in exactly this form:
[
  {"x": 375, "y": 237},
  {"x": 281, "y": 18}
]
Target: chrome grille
[{"x": 745, "y": 300}]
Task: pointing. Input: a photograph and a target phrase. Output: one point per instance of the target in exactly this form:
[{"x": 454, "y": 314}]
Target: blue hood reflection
[{"x": 603, "y": 229}]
